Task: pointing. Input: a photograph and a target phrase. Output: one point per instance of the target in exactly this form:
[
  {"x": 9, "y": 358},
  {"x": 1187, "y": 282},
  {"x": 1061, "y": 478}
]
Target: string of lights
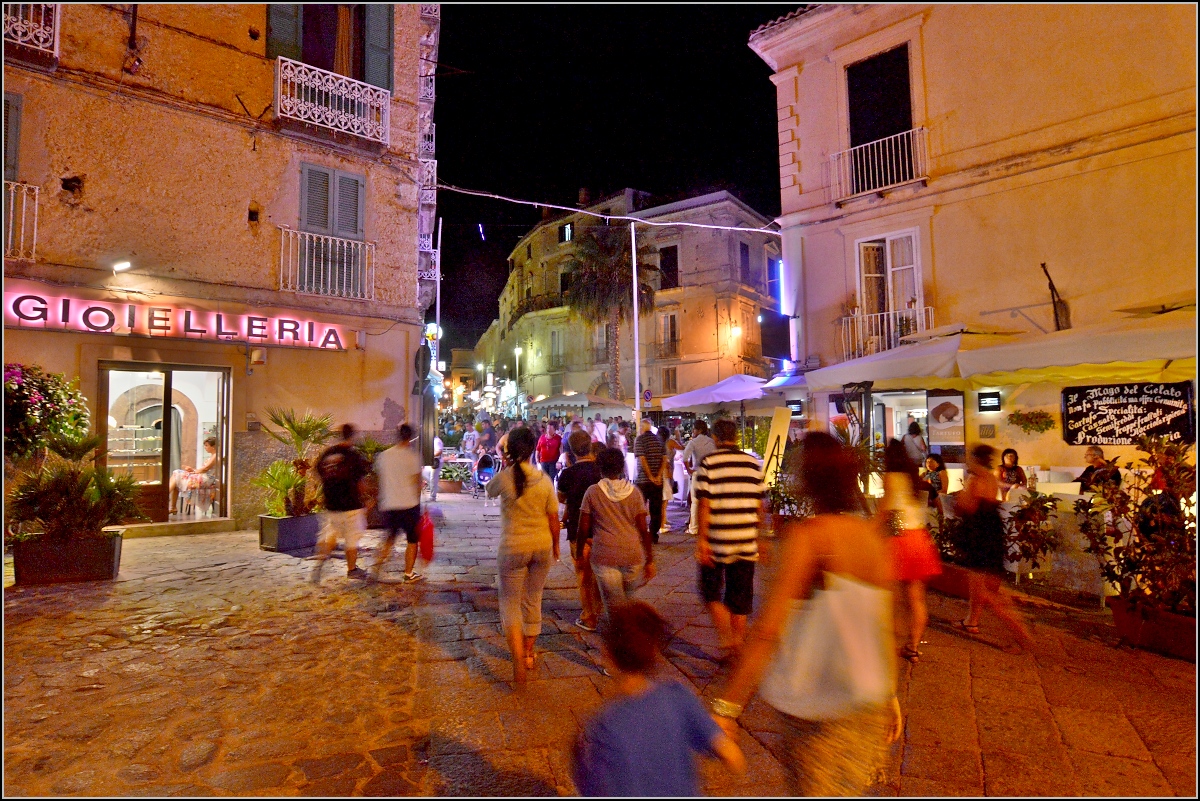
[{"x": 606, "y": 217}]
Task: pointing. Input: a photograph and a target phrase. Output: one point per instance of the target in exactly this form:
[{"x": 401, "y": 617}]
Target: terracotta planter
[
  {"x": 451, "y": 487},
  {"x": 288, "y": 533},
  {"x": 953, "y": 581},
  {"x": 84, "y": 559},
  {"x": 1155, "y": 629}
]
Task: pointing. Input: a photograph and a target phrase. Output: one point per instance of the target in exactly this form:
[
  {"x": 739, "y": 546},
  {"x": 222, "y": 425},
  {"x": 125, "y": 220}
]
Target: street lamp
[
  {"x": 736, "y": 331},
  {"x": 517, "y": 372}
]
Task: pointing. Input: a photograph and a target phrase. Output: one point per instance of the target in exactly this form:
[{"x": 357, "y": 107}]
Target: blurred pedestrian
[
  {"x": 573, "y": 483},
  {"x": 599, "y": 430},
  {"x": 549, "y": 447},
  {"x": 937, "y": 478},
  {"x": 822, "y": 644},
  {"x": 641, "y": 743},
  {"x": 342, "y": 468},
  {"x": 674, "y": 447},
  {"x": 529, "y": 531},
  {"x": 730, "y": 494},
  {"x": 914, "y": 558},
  {"x": 612, "y": 522},
  {"x": 986, "y": 547},
  {"x": 1009, "y": 473},
  {"x": 399, "y": 472},
  {"x": 437, "y": 467},
  {"x": 649, "y": 452},
  {"x": 914, "y": 444}
]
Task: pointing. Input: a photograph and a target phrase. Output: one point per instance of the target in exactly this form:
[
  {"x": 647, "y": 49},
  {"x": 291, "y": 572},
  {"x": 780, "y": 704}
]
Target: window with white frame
[
  {"x": 669, "y": 384},
  {"x": 889, "y": 273},
  {"x": 669, "y": 335},
  {"x": 566, "y": 232},
  {"x": 744, "y": 263}
]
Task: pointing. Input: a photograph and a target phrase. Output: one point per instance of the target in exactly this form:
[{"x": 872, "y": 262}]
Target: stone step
[{"x": 214, "y": 525}]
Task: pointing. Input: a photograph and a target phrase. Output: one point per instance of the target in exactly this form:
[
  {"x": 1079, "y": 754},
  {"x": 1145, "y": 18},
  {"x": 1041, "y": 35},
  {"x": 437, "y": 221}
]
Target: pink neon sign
[{"x": 45, "y": 312}]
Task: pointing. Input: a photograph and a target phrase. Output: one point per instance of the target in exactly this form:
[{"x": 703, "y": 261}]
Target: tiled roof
[{"x": 804, "y": 9}]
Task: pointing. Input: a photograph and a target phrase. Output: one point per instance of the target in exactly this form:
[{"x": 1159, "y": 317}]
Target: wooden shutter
[
  {"x": 12, "y": 135},
  {"x": 349, "y": 206},
  {"x": 284, "y": 30},
  {"x": 316, "y": 212},
  {"x": 378, "y": 38}
]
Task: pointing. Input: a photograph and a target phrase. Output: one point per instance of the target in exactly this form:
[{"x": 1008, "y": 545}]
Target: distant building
[
  {"x": 710, "y": 290},
  {"x": 265, "y": 173},
  {"x": 933, "y": 157}
]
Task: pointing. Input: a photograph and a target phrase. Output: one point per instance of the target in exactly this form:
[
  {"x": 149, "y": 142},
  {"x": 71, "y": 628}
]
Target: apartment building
[
  {"x": 218, "y": 209},
  {"x": 986, "y": 206},
  {"x": 711, "y": 287}
]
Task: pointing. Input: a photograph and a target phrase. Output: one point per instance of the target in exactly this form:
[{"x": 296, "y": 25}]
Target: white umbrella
[{"x": 734, "y": 389}]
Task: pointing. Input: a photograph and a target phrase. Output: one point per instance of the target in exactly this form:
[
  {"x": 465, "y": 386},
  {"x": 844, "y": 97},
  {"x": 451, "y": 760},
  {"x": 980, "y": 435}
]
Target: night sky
[{"x": 537, "y": 101}]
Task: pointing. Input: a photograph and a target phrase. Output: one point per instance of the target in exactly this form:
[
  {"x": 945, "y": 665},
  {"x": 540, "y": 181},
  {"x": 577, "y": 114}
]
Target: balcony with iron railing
[
  {"x": 20, "y": 220},
  {"x": 428, "y": 142},
  {"x": 668, "y": 349},
  {"x": 864, "y": 334},
  {"x": 880, "y": 165},
  {"x": 308, "y": 94},
  {"x": 31, "y": 30},
  {"x": 315, "y": 264},
  {"x": 557, "y": 362},
  {"x": 752, "y": 350},
  {"x": 535, "y": 303},
  {"x": 600, "y": 355}
]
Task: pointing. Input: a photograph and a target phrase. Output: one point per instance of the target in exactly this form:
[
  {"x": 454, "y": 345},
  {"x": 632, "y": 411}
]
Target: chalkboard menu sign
[{"x": 1117, "y": 414}]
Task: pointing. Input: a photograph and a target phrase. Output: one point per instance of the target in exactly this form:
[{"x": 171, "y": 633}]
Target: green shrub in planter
[{"x": 455, "y": 472}]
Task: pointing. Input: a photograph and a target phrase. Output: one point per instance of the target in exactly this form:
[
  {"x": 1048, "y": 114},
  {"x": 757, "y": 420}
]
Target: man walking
[
  {"x": 399, "y": 472},
  {"x": 342, "y": 468},
  {"x": 649, "y": 452},
  {"x": 729, "y": 493},
  {"x": 437, "y": 467},
  {"x": 698, "y": 447},
  {"x": 573, "y": 483},
  {"x": 599, "y": 431},
  {"x": 548, "y": 447}
]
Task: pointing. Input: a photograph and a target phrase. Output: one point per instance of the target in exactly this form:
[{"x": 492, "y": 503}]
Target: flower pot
[
  {"x": 288, "y": 533},
  {"x": 83, "y": 559},
  {"x": 1154, "y": 629},
  {"x": 953, "y": 581},
  {"x": 449, "y": 486}
]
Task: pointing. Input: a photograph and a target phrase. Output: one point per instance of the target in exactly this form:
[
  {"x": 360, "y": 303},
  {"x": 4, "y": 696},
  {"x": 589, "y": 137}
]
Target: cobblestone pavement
[{"x": 213, "y": 668}]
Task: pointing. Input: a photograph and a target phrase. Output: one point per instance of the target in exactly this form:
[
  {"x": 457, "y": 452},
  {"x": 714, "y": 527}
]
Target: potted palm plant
[
  {"x": 71, "y": 507},
  {"x": 1143, "y": 531},
  {"x": 290, "y": 523},
  {"x": 452, "y": 477}
]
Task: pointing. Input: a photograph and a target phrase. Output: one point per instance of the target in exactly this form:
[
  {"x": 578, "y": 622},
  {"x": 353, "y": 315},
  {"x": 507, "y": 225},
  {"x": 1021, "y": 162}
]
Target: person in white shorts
[{"x": 342, "y": 469}]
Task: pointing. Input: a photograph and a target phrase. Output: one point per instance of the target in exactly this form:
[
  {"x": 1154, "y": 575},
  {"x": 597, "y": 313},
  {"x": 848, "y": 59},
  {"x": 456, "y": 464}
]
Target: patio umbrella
[{"x": 706, "y": 400}]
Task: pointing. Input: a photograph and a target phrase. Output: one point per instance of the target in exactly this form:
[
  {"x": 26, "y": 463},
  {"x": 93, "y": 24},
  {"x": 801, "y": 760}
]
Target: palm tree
[{"x": 599, "y": 289}]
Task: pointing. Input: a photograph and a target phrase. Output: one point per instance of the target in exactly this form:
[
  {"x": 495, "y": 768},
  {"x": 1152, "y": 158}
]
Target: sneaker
[
  {"x": 409, "y": 578},
  {"x": 356, "y": 573},
  {"x": 584, "y": 626}
]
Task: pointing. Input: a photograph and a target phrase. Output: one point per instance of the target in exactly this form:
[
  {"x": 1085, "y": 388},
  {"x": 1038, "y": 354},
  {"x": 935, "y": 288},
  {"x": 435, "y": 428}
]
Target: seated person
[
  {"x": 206, "y": 477},
  {"x": 1099, "y": 471}
]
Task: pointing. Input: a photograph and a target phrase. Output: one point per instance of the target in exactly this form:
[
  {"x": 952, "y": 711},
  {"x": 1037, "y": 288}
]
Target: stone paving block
[
  {"x": 1002, "y": 692},
  {"x": 455, "y": 734},
  {"x": 497, "y": 774},
  {"x": 332, "y": 765},
  {"x": 333, "y": 787},
  {"x": 250, "y": 779},
  {"x": 953, "y": 766},
  {"x": 534, "y": 727},
  {"x": 1065, "y": 687},
  {"x": 1009, "y": 774},
  {"x": 1117, "y": 776},
  {"x": 1100, "y": 732},
  {"x": 1163, "y": 731},
  {"x": 1017, "y": 730},
  {"x": 1179, "y": 771},
  {"x": 923, "y": 788}
]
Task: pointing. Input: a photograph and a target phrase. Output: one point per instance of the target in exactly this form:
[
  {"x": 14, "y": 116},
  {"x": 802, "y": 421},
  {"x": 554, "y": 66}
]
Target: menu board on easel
[{"x": 1117, "y": 414}]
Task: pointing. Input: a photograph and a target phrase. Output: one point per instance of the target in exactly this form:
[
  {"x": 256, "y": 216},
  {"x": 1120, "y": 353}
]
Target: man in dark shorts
[
  {"x": 729, "y": 494},
  {"x": 342, "y": 469},
  {"x": 399, "y": 472},
  {"x": 572, "y": 484}
]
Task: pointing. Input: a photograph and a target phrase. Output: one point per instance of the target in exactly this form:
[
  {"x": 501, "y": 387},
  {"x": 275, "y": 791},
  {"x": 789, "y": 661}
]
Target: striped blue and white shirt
[{"x": 733, "y": 484}]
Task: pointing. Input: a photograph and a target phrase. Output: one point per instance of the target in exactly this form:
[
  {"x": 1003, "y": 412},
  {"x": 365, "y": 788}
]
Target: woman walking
[
  {"x": 914, "y": 557},
  {"x": 914, "y": 444},
  {"x": 615, "y": 532},
  {"x": 822, "y": 646},
  {"x": 529, "y": 530},
  {"x": 983, "y": 530}
]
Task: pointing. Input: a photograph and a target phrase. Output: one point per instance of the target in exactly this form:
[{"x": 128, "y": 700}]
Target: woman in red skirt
[{"x": 914, "y": 556}]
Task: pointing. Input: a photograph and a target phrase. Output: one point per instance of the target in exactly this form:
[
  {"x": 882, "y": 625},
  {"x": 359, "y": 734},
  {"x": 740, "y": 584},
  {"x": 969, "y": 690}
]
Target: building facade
[
  {"x": 217, "y": 210},
  {"x": 1007, "y": 191},
  {"x": 710, "y": 289}
]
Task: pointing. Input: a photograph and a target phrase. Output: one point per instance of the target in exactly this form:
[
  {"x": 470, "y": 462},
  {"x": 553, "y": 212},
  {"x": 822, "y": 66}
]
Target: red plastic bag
[{"x": 425, "y": 537}]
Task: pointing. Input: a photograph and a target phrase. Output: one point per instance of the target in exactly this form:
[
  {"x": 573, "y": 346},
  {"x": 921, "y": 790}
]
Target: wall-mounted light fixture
[{"x": 121, "y": 266}]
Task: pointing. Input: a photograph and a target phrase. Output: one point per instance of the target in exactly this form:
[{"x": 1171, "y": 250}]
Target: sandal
[
  {"x": 910, "y": 653},
  {"x": 531, "y": 661},
  {"x": 962, "y": 625}
]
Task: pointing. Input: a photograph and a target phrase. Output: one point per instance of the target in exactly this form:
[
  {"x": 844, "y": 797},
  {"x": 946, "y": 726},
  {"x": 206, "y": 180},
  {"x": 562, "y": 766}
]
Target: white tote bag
[{"x": 834, "y": 652}]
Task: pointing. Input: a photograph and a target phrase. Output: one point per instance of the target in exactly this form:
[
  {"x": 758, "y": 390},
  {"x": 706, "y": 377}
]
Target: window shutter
[
  {"x": 377, "y": 57},
  {"x": 315, "y": 212},
  {"x": 284, "y": 30},
  {"x": 351, "y": 205},
  {"x": 12, "y": 135}
]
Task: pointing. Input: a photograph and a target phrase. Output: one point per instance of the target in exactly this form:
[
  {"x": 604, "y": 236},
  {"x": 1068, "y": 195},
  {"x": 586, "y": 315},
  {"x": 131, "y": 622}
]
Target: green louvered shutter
[
  {"x": 316, "y": 211},
  {"x": 377, "y": 58},
  {"x": 284, "y": 30},
  {"x": 350, "y": 206},
  {"x": 12, "y": 135}
]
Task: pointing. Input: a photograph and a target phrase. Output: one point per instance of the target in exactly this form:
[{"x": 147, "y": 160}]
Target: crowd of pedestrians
[{"x": 821, "y": 649}]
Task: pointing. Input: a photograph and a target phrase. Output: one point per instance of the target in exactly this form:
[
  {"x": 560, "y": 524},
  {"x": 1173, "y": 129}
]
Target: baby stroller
[{"x": 485, "y": 469}]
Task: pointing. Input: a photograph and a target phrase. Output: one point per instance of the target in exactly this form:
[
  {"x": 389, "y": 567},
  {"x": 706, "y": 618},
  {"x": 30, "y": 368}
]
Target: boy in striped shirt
[{"x": 729, "y": 492}]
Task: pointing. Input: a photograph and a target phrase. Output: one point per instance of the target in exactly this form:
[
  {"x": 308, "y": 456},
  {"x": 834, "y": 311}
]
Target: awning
[
  {"x": 786, "y": 381},
  {"x": 578, "y": 400},
  {"x": 734, "y": 389}
]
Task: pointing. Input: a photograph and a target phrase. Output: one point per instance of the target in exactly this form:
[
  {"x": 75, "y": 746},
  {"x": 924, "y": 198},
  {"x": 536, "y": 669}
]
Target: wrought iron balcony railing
[
  {"x": 428, "y": 142},
  {"x": 752, "y": 350},
  {"x": 557, "y": 362},
  {"x": 600, "y": 355},
  {"x": 668, "y": 349},
  {"x": 20, "y": 220},
  {"x": 33, "y": 25},
  {"x": 864, "y": 334},
  {"x": 309, "y": 94},
  {"x": 431, "y": 10},
  {"x": 882, "y": 164},
  {"x": 315, "y": 264}
]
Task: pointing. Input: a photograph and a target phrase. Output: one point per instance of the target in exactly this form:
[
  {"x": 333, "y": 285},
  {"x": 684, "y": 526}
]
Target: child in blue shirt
[{"x": 642, "y": 743}]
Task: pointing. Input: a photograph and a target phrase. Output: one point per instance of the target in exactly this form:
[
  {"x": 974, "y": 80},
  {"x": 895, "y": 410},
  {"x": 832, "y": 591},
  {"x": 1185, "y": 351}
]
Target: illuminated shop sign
[
  {"x": 989, "y": 401},
  {"x": 48, "y": 313}
]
